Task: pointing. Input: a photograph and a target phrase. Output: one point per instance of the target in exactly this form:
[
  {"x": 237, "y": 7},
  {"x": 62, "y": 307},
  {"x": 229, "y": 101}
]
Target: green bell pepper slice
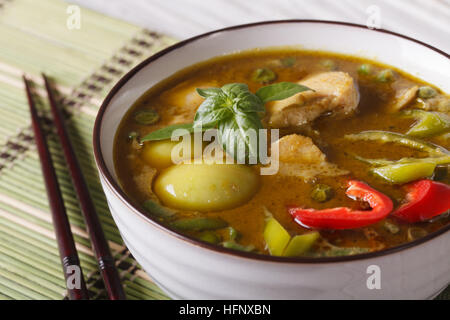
[
  {"x": 280, "y": 243},
  {"x": 276, "y": 237},
  {"x": 400, "y": 173},
  {"x": 405, "y": 169},
  {"x": 383, "y": 162},
  {"x": 301, "y": 244},
  {"x": 394, "y": 137},
  {"x": 429, "y": 123}
]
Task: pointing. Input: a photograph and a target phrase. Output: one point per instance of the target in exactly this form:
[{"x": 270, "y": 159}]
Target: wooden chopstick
[
  {"x": 66, "y": 245},
  {"x": 99, "y": 244}
]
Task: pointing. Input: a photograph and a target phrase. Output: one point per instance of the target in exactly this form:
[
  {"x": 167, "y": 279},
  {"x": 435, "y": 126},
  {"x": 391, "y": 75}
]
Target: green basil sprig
[
  {"x": 280, "y": 91},
  {"x": 236, "y": 111}
]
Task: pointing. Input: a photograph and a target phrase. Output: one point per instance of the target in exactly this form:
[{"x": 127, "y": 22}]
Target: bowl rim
[{"x": 127, "y": 201}]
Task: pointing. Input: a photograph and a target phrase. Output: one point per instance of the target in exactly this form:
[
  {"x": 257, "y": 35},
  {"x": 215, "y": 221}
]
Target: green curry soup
[{"x": 363, "y": 160}]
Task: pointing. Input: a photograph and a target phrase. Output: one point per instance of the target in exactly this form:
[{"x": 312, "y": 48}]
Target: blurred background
[{"x": 426, "y": 20}]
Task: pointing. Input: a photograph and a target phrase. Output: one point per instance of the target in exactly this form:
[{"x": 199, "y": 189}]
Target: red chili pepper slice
[
  {"x": 346, "y": 218},
  {"x": 426, "y": 199}
]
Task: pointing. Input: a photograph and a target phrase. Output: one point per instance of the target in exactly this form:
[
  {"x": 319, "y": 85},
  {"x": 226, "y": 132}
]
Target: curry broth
[{"x": 276, "y": 192}]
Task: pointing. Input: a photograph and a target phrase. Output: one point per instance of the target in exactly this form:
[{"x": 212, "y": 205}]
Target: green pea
[
  {"x": 263, "y": 75},
  {"x": 385, "y": 76},
  {"x": 426, "y": 92},
  {"x": 365, "y": 69},
  {"x": 329, "y": 64},
  {"x": 288, "y": 62},
  {"x": 146, "y": 117},
  {"x": 209, "y": 236},
  {"x": 199, "y": 224},
  {"x": 322, "y": 193}
]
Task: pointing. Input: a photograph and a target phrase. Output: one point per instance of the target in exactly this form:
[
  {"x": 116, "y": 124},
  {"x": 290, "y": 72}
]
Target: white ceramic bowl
[{"x": 186, "y": 268}]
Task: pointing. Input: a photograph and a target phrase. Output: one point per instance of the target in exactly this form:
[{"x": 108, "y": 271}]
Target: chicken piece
[
  {"x": 334, "y": 92},
  {"x": 404, "y": 98},
  {"x": 299, "y": 149},
  {"x": 300, "y": 157}
]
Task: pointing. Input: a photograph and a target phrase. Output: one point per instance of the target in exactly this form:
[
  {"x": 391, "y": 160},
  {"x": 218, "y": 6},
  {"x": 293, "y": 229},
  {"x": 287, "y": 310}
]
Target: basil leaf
[
  {"x": 221, "y": 103},
  {"x": 166, "y": 133},
  {"x": 279, "y": 91},
  {"x": 248, "y": 102},
  {"x": 212, "y": 110},
  {"x": 234, "y": 89},
  {"x": 239, "y": 136},
  {"x": 235, "y": 111},
  {"x": 208, "y": 92},
  {"x": 242, "y": 99}
]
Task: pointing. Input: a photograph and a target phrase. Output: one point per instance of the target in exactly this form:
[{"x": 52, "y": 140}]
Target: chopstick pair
[{"x": 77, "y": 289}]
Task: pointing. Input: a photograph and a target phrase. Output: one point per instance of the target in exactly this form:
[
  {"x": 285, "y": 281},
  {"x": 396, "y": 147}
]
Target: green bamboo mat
[{"x": 85, "y": 64}]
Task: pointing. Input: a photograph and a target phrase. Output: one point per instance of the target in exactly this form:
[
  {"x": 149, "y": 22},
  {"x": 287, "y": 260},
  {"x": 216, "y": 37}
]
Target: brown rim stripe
[{"x": 115, "y": 188}]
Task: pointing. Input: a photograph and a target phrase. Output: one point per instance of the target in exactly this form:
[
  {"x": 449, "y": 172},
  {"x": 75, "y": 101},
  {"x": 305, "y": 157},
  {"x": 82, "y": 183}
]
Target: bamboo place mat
[{"x": 85, "y": 64}]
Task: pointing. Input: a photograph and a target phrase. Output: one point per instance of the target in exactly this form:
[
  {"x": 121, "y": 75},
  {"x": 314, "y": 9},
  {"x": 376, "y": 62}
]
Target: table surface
[{"x": 426, "y": 20}]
